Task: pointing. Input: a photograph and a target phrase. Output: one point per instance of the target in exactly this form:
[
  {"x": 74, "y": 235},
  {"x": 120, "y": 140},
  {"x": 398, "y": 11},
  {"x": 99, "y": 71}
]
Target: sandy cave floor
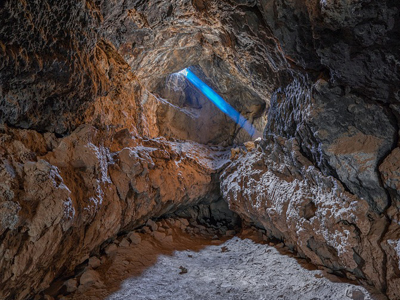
[{"x": 235, "y": 268}]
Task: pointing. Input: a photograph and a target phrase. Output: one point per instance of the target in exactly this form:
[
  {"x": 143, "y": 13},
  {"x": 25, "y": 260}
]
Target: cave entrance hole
[
  {"x": 219, "y": 102},
  {"x": 190, "y": 105}
]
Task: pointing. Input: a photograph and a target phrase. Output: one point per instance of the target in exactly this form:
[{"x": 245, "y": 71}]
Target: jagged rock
[
  {"x": 390, "y": 172},
  {"x": 72, "y": 189},
  {"x": 134, "y": 238},
  {"x": 340, "y": 231},
  {"x": 249, "y": 145}
]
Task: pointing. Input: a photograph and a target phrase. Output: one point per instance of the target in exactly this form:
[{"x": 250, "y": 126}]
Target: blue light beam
[{"x": 219, "y": 102}]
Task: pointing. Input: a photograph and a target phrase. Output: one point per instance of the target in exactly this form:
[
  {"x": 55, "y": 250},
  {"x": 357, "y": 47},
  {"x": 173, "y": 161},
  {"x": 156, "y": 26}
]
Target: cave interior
[{"x": 115, "y": 133}]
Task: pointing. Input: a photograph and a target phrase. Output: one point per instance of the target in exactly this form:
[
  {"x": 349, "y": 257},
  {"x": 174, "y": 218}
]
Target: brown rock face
[
  {"x": 93, "y": 120},
  {"x": 61, "y": 203}
]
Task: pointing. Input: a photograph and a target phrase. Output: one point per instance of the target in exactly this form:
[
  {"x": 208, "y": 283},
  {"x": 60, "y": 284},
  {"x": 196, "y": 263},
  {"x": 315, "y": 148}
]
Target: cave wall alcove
[{"x": 98, "y": 133}]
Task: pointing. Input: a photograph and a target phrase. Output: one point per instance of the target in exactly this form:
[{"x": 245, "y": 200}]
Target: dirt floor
[{"x": 172, "y": 261}]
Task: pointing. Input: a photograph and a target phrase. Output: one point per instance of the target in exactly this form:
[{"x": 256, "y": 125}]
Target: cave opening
[
  {"x": 205, "y": 107},
  {"x": 220, "y": 103}
]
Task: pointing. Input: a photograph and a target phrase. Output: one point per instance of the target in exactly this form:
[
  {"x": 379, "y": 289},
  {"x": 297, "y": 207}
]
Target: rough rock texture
[
  {"x": 61, "y": 198},
  {"x": 327, "y": 72},
  {"x": 329, "y": 163},
  {"x": 310, "y": 212},
  {"x": 119, "y": 52}
]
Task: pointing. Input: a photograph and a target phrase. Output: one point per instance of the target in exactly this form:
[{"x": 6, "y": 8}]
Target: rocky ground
[{"x": 175, "y": 259}]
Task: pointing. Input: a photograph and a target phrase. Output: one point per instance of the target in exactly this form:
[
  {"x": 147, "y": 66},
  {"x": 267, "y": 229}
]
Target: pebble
[
  {"x": 184, "y": 222},
  {"x": 124, "y": 243},
  {"x": 159, "y": 235},
  {"x": 249, "y": 145},
  {"x": 146, "y": 229},
  {"x": 135, "y": 238},
  {"x": 94, "y": 262},
  {"x": 111, "y": 249},
  {"x": 153, "y": 225},
  {"x": 125, "y": 262},
  {"x": 71, "y": 285},
  {"x": 172, "y": 222},
  {"x": 201, "y": 227},
  {"x": 89, "y": 277}
]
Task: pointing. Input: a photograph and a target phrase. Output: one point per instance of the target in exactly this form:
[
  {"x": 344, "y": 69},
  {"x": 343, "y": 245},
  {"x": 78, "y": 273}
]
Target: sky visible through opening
[{"x": 219, "y": 102}]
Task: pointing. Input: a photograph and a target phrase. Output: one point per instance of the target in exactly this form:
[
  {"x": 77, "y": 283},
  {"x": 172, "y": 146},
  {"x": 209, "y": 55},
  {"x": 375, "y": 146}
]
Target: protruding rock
[
  {"x": 235, "y": 153},
  {"x": 153, "y": 225},
  {"x": 94, "y": 262},
  {"x": 111, "y": 249},
  {"x": 89, "y": 278},
  {"x": 124, "y": 243},
  {"x": 135, "y": 238},
  {"x": 184, "y": 222},
  {"x": 159, "y": 235},
  {"x": 71, "y": 285},
  {"x": 249, "y": 145}
]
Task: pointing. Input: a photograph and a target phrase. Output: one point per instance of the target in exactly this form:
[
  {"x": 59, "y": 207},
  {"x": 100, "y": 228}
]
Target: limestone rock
[{"x": 160, "y": 236}]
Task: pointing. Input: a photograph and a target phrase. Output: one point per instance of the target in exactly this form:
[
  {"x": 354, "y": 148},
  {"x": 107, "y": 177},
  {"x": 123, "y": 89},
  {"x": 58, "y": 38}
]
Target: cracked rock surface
[{"x": 85, "y": 189}]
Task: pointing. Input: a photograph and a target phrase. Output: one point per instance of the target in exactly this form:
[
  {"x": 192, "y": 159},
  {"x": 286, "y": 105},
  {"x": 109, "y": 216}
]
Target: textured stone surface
[
  {"x": 312, "y": 213},
  {"x": 87, "y": 189},
  {"x": 118, "y": 54},
  {"x": 326, "y": 72}
]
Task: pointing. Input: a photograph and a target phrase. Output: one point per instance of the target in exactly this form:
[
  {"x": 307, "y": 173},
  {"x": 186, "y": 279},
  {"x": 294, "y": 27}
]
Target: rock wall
[
  {"x": 62, "y": 198},
  {"x": 325, "y": 180}
]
